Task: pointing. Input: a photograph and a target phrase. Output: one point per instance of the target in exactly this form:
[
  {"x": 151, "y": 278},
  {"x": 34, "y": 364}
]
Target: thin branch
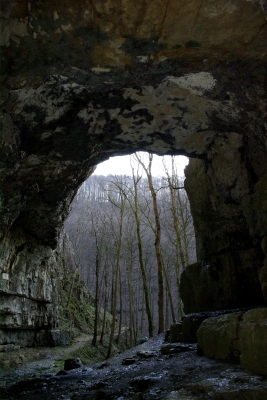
[{"x": 170, "y": 186}]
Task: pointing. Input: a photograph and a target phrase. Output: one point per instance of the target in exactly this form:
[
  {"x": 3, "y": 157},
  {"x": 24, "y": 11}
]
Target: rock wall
[
  {"x": 238, "y": 337},
  {"x": 228, "y": 201},
  {"x": 30, "y": 288},
  {"x": 35, "y": 286},
  {"x": 85, "y": 82},
  {"x": 231, "y": 268}
]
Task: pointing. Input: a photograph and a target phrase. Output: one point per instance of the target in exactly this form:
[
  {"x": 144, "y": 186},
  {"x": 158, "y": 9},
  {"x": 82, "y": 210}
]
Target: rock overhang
[
  {"x": 63, "y": 126},
  {"x": 85, "y": 83}
]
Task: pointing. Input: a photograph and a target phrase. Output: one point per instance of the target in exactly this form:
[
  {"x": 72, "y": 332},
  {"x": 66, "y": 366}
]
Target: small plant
[{"x": 59, "y": 364}]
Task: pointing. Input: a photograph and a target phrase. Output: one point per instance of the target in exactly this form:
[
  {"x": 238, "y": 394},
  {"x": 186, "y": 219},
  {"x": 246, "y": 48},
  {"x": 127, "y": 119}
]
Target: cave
[{"x": 82, "y": 83}]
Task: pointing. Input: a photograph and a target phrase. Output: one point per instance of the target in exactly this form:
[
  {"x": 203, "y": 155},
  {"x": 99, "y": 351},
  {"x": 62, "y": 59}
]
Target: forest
[{"x": 132, "y": 236}]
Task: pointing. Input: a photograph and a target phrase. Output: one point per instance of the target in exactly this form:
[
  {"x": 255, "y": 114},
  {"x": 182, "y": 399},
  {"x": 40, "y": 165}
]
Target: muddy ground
[{"x": 151, "y": 375}]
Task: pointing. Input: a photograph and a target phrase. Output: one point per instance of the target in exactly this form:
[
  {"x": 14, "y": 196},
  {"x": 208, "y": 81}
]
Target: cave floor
[{"x": 152, "y": 376}]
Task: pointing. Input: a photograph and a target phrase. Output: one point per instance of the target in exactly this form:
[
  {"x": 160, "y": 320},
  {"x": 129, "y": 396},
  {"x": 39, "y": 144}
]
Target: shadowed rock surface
[{"x": 181, "y": 375}]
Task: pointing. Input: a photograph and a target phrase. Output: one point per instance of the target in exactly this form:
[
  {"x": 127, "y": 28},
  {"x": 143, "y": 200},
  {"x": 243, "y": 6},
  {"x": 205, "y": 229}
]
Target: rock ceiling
[{"x": 115, "y": 33}]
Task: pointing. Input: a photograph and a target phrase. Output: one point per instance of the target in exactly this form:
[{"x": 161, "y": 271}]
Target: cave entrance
[
  {"x": 63, "y": 129},
  {"x": 131, "y": 221}
]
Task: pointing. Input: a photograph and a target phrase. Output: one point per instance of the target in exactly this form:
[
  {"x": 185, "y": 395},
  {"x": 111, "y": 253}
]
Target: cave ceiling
[{"x": 88, "y": 80}]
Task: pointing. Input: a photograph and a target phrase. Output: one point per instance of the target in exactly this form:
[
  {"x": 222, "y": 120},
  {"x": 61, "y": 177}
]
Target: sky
[{"x": 121, "y": 165}]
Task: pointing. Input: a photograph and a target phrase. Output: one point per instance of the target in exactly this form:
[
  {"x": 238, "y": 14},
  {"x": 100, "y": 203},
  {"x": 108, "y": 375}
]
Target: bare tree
[
  {"x": 148, "y": 172},
  {"x": 117, "y": 254},
  {"x": 106, "y": 292},
  {"x": 121, "y": 206},
  {"x": 97, "y": 266},
  {"x": 135, "y": 209}
]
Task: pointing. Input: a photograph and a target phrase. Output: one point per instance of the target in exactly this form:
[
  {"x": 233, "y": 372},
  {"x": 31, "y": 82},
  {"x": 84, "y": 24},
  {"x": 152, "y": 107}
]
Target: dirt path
[
  {"x": 64, "y": 352},
  {"x": 31, "y": 362}
]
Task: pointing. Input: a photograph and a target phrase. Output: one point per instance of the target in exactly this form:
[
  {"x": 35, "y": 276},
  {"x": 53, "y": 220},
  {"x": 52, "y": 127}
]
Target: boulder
[
  {"x": 237, "y": 337},
  {"x": 72, "y": 363},
  {"x": 175, "y": 333},
  {"x": 142, "y": 340},
  {"x": 191, "y": 323},
  {"x": 253, "y": 341},
  {"x": 145, "y": 354},
  {"x": 128, "y": 361},
  {"x": 173, "y": 348},
  {"x": 61, "y": 372},
  {"x": 103, "y": 365},
  {"x": 216, "y": 336}
]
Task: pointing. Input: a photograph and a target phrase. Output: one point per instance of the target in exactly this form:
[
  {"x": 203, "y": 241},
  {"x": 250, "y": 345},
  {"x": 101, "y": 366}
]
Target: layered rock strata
[{"x": 30, "y": 289}]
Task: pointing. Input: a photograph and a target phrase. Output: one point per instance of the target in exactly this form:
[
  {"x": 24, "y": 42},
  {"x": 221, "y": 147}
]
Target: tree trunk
[
  {"x": 157, "y": 243},
  {"x": 140, "y": 256},
  {"x": 120, "y": 321},
  {"x": 130, "y": 288},
  {"x": 169, "y": 295},
  {"x": 105, "y": 304},
  {"x": 117, "y": 271},
  {"x": 179, "y": 252},
  {"x": 96, "y": 287}
]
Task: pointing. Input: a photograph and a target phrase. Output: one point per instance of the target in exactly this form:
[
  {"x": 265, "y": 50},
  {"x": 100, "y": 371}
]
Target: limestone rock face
[
  {"x": 31, "y": 286},
  {"x": 89, "y": 80},
  {"x": 227, "y": 223},
  {"x": 227, "y": 280},
  {"x": 29, "y": 283},
  {"x": 239, "y": 337}
]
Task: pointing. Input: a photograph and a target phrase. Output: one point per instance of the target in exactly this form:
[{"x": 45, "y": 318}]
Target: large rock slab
[
  {"x": 238, "y": 337},
  {"x": 253, "y": 341},
  {"x": 217, "y": 337}
]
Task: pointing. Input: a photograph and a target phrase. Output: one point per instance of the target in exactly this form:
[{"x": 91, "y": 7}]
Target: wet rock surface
[
  {"x": 173, "y": 348},
  {"x": 177, "y": 376}
]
